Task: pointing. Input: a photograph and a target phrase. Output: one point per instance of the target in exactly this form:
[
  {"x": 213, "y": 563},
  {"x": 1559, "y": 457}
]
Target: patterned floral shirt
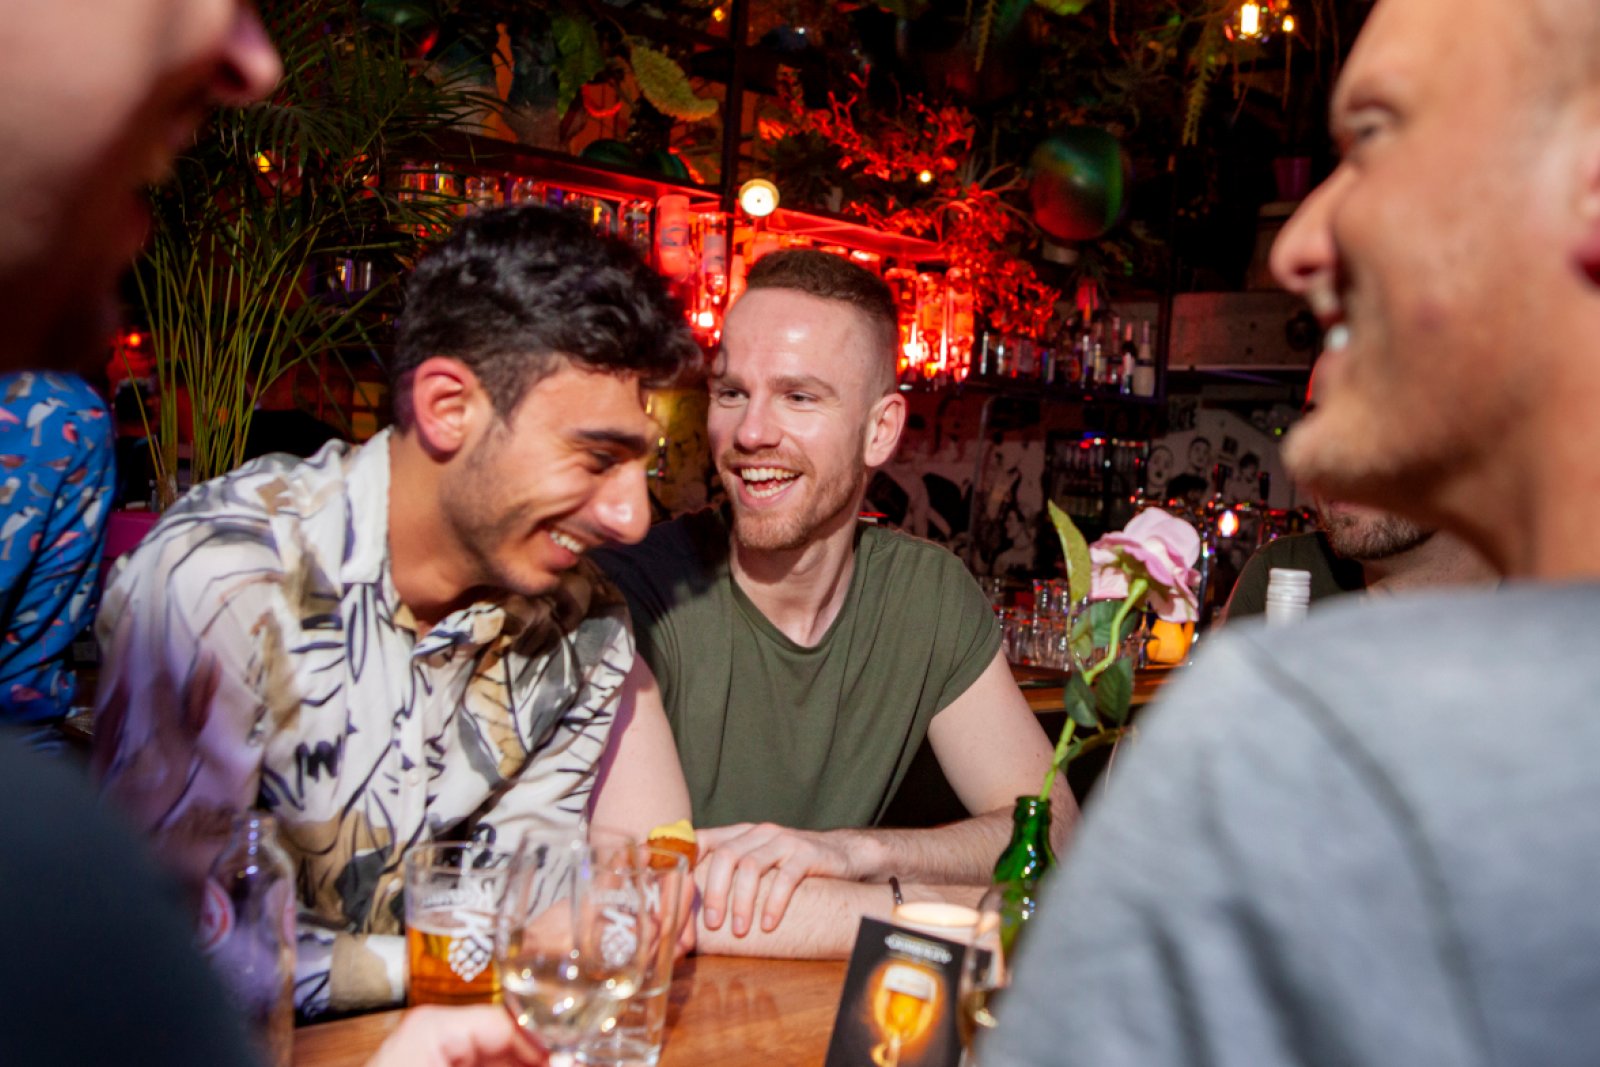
[
  {"x": 255, "y": 654},
  {"x": 56, "y": 471}
]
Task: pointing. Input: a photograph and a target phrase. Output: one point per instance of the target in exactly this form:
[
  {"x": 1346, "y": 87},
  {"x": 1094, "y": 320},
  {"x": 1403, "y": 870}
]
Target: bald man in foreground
[{"x": 1374, "y": 837}]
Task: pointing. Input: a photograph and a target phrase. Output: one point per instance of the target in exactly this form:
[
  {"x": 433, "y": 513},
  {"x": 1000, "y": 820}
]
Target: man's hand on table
[
  {"x": 479, "y": 1036},
  {"x": 735, "y": 862}
]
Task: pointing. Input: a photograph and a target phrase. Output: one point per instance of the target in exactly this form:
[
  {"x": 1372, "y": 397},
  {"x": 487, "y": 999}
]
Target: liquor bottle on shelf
[
  {"x": 1072, "y": 373},
  {"x": 1144, "y": 371},
  {"x": 714, "y": 255},
  {"x": 1128, "y": 362},
  {"x": 1097, "y": 360}
]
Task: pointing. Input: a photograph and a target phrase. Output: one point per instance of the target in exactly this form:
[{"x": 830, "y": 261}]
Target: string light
[
  {"x": 1249, "y": 20},
  {"x": 925, "y": 176},
  {"x": 1257, "y": 20}
]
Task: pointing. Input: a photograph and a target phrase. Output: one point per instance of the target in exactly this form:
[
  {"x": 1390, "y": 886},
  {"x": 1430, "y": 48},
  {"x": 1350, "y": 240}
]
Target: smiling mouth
[
  {"x": 568, "y": 542},
  {"x": 1337, "y": 338},
  {"x": 765, "y": 482}
]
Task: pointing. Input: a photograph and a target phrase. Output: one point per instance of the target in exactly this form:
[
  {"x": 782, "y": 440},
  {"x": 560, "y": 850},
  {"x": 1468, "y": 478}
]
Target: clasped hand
[{"x": 738, "y": 862}]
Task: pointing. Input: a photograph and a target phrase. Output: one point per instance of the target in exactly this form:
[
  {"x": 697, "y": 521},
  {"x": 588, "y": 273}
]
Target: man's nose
[
  {"x": 622, "y": 508},
  {"x": 1304, "y": 252},
  {"x": 247, "y": 65},
  {"x": 757, "y": 429}
]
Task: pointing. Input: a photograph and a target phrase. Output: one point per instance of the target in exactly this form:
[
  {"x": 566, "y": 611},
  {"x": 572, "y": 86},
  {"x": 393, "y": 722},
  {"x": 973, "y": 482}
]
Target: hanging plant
[
  {"x": 580, "y": 57},
  {"x": 666, "y": 86}
]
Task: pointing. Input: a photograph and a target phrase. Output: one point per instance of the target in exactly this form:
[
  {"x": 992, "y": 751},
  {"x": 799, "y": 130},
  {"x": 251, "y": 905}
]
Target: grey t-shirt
[{"x": 1372, "y": 838}]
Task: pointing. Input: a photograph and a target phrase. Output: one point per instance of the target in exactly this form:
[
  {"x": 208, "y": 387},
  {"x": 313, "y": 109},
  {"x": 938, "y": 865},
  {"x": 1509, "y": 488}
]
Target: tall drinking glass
[
  {"x": 637, "y": 1038},
  {"x": 570, "y": 944}
]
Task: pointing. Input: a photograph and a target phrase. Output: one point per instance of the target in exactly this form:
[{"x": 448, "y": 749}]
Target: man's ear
[
  {"x": 885, "y": 423},
  {"x": 446, "y": 405}
]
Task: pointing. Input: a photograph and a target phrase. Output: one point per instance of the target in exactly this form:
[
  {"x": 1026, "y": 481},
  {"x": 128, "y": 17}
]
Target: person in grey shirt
[
  {"x": 1372, "y": 838},
  {"x": 1328, "y": 854}
]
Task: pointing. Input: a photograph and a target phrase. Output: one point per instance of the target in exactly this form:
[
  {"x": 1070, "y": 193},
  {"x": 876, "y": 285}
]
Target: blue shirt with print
[{"x": 56, "y": 476}]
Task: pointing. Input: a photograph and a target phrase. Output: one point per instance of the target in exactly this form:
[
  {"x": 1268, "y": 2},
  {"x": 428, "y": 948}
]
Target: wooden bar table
[
  {"x": 1043, "y": 687},
  {"x": 723, "y": 1011}
]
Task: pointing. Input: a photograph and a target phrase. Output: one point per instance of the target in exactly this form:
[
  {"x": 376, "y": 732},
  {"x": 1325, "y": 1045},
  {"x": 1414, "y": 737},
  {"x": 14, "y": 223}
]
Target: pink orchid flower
[{"x": 1156, "y": 546}]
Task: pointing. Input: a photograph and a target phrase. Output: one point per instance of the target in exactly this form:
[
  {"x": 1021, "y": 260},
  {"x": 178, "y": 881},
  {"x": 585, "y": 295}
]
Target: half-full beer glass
[{"x": 452, "y": 894}]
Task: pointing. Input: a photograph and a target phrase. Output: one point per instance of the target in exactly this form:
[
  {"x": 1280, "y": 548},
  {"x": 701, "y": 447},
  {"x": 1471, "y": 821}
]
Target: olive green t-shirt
[{"x": 768, "y": 730}]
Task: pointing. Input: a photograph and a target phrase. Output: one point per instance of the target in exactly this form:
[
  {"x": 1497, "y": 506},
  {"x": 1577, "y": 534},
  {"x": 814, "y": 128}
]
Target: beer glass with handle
[{"x": 569, "y": 944}]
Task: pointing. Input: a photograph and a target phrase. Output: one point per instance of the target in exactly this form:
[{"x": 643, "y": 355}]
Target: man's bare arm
[
  {"x": 821, "y": 919},
  {"x": 992, "y": 750},
  {"x": 640, "y": 784}
]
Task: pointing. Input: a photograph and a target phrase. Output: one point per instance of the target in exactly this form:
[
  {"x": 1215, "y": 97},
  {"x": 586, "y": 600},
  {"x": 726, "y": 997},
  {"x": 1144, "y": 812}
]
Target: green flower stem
[
  {"x": 1136, "y": 592},
  {"x": 1055, "y": 760}
]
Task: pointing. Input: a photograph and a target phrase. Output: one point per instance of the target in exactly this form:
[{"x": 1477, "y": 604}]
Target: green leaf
[
  {"x": 666, "y": 86},
  {"x": 1102, "y": 613},
  {"x": 1063, "y": 7},
  {"x": 1113, "y": 691},
  {"x": 1076, "y": 552},
  {"x": 581, "y": 58},
  {"x": 906, "y": 9},
  {"x": 1079, "y": 702}
]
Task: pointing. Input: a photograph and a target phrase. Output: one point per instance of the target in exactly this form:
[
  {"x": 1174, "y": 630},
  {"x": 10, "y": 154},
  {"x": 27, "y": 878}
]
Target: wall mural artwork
[{"x": 1218, "y": 451}]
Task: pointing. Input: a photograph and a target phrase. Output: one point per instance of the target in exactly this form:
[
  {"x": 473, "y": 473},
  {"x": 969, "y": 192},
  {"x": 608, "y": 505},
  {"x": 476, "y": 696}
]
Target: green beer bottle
[{"x": 1021, "y": 866}]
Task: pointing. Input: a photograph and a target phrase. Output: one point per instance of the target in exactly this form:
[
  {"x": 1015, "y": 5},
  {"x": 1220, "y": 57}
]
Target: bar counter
[{"x": 724, "y": 1011}]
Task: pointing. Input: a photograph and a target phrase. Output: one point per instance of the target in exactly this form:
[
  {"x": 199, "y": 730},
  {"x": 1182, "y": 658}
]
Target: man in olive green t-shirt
[{"x": 801, "y": 656}]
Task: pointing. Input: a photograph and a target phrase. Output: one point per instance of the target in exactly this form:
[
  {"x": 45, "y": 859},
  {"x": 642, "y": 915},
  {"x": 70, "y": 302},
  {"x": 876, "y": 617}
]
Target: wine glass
[
  {"x": 568, "y": 944},
  {"x": 983, "y": 973}
]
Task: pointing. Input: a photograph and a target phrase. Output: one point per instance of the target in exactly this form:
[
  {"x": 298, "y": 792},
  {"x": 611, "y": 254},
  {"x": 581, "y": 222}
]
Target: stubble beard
[
  {"x": 1368, "y": 538},
  {"x": 479, "y": 521},
  {"x": 796, "y": 528}
]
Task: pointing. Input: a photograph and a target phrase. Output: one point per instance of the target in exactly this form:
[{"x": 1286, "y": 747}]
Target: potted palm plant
[{"x": 270, "y": 203}]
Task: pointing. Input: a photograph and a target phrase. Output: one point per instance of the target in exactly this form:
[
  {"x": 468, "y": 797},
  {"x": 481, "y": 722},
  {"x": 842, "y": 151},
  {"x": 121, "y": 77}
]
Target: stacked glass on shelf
[
  {"x": 1037, "y": 636},
  {"x": 622, "y": 217},
  {"x": 1099, "y": 355}
]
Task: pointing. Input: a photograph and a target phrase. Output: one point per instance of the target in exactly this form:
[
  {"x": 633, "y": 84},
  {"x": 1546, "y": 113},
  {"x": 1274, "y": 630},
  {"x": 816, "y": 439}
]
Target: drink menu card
[{"x": 899, "y": 1004}]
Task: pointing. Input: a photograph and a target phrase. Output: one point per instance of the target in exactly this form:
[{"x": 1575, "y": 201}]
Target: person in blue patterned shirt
[{"x": 56, "y": 474}]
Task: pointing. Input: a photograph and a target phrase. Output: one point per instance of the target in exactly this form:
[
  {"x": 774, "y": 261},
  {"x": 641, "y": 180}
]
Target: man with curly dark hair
[{"x": 404, "y": 641}]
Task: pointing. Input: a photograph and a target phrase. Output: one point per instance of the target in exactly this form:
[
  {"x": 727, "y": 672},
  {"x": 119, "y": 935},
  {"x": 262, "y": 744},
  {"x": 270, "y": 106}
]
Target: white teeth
[
  {"x": 767, "y": 474},
  {"x": 764, "y": 482},
  {"x": 567, "y": 541},
  {"x": 1323, "y": 301},
  {"x": 1337, "y": 337}
]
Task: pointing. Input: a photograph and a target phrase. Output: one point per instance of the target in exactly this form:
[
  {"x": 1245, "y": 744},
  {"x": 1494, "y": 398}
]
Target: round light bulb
[
  {"x": 925, "y": 176},
  {"x": 758, "y": 197}
]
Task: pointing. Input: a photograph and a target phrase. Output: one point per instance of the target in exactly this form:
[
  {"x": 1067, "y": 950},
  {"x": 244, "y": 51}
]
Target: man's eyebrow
[
  {"x": 804, "y": 383},
  {"x": 624, "y": 440}
]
